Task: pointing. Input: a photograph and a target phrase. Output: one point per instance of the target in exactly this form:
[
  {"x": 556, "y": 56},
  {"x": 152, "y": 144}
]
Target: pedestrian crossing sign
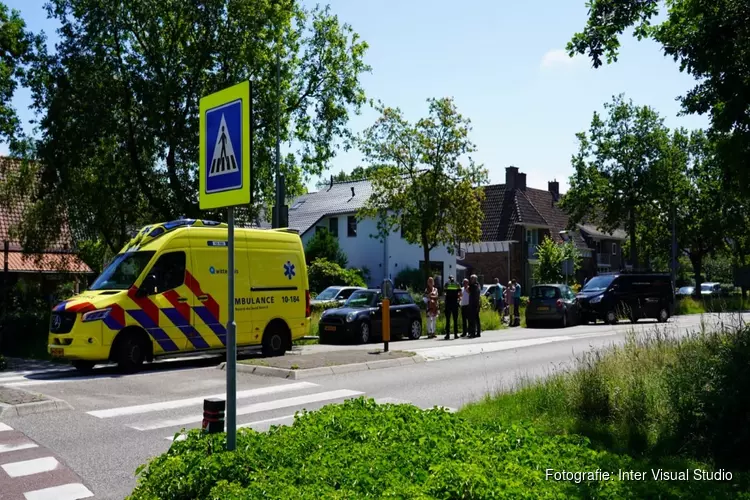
[{"x": 225, "y": 148}]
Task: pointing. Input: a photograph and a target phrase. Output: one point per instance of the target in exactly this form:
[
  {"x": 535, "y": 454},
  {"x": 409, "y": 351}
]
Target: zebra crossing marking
[
  {"x": 30, "y": 467},
  {"x": 182, "y": 403},
  {"x": 254, "y": 408},
  {"x": 72, "y": 491},
  {"x": 6, "y": 448}
]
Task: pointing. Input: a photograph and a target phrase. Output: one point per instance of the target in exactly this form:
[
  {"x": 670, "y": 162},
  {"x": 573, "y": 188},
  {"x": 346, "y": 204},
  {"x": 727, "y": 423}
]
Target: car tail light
[
  {"x": 559, "y": 303},
  {"x": 307, "y": 304}
]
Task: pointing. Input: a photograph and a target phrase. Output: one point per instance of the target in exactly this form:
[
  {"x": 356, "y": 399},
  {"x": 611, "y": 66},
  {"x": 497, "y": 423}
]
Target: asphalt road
[{"x": 120, "y": 421}]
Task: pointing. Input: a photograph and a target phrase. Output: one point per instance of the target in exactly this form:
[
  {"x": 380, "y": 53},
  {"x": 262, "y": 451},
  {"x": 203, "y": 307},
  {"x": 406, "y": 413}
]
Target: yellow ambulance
[{"x": 165, "y": 293}]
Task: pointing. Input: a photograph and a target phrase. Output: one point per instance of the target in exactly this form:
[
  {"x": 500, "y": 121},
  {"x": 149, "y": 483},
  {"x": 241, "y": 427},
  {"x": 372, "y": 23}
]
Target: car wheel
[
  {"x": 565, "y": 319},
  {"x": 530, "y": 324},
  {"x": 415, "y": 331},
  {"x": 84, "y": 366},
  {"x": 274, "y": 343},
  {"x": 611, "y": 317},
  {"x": 663, "y": 315},
  {"x": 131, "y": 353},
  {"x": 364, "y": 333}
]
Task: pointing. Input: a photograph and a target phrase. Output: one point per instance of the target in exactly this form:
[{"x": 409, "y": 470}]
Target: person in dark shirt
[
  {"x": 452, "y": 298},
  {"x": 475, "y": 303}
]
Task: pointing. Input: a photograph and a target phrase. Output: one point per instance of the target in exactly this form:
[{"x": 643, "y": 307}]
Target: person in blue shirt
[
  {"x": 517, "y": 303},
  {"x": 498, "y": 298}
]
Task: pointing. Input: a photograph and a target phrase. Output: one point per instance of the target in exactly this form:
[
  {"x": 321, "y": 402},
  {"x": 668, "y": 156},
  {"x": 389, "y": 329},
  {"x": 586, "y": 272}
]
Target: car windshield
[
  {"x": 598, "y": 283},
  {"x": 328, "y": 294},
  {"x": 705, "y": 287},
  {"x": 687, "y": 289},
  {"x": 543, "y": 292},
  {"x": 122, "y": 272},
  {"x": 362, "y": 298}
]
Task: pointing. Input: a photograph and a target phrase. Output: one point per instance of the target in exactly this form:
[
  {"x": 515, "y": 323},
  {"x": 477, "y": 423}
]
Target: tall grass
[
  {"x": 689, "y": 305},
  {"x": 655, "y": 396}
]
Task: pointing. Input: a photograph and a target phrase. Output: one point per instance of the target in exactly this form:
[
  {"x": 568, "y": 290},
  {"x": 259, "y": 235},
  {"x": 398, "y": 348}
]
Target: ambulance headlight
[
  {"x": 99, "y": 314},
  {"x": 351, "y": 317}
]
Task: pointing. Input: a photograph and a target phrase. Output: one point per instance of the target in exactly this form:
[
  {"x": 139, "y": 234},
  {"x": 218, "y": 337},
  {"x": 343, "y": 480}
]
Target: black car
[
  {"x": 361, "y": 318},
  {"x": 633, "y": 296},
  {"x": 551, "y": 304}
]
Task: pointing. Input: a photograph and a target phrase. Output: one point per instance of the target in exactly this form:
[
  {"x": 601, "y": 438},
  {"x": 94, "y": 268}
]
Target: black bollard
[{"x": 213, "y": 415}]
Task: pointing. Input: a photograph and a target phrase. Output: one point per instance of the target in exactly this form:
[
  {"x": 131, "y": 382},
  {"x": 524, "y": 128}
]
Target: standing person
[
  {"x": 499, "y": 302},
  {"x": 517, "y": 302},
  {"x": 452, "y": 298},
  {"x": 475, "y": 304},
  {"x": 465, "y": 308},
  {"x": 509, "y": 291},
  {"x": 431, "y": 298}
]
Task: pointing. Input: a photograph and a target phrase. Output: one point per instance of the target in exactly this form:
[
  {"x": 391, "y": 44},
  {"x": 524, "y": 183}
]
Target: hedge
[{"x": 360, "y": 449}]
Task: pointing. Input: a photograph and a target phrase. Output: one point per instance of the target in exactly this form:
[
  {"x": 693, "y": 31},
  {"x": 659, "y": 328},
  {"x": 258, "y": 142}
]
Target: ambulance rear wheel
[
  {"x": 132, "y": 350},
  {"x": 276, "y": 340}
]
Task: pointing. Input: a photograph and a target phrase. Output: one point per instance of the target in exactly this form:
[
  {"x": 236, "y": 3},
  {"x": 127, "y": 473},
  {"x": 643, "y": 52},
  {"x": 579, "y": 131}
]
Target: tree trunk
[
  {"x": 426, "y": 250},
  {"x": 633, "y": 248},
  {"x": 696, "y": 259}
]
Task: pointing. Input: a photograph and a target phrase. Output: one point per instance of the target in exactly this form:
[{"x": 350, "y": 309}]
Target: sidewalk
[{"x": 31, "y": 472}]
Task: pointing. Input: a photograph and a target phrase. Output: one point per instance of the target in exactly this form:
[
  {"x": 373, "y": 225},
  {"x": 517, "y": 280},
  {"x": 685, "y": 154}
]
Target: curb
[
  {"x": 51, "y": 404},
  {"x": 269, "y": 371}
]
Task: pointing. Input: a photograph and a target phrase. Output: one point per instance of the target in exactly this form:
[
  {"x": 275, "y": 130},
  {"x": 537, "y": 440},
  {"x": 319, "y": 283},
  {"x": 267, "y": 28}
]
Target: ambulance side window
[{"x": 169, "y": 271}]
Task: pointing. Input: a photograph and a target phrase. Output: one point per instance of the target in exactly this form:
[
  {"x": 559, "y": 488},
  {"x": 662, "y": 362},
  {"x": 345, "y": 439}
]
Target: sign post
[
  {"x": 225, "y": 182},
  {"x": 387, "y": 291}
]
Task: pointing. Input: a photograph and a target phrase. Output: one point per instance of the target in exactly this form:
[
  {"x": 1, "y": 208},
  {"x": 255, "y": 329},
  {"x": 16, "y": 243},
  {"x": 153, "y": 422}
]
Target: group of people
[{"x": 467, "y": 298}]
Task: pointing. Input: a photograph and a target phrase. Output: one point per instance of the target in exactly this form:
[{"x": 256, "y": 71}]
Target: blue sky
[{"x": 502, "y": 62}]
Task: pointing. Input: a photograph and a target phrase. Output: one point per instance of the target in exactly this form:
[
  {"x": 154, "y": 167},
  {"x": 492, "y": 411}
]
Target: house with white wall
[{"x": 334, "y": 208}]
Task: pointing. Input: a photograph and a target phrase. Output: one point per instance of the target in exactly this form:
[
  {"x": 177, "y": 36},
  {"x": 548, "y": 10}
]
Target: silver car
[{"x": 335, "y": 294}]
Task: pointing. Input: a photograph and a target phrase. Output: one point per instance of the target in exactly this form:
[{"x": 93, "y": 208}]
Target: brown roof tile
[{"x": 46, "y": 263}]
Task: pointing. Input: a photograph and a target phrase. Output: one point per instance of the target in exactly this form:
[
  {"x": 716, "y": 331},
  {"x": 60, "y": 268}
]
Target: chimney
[
  {"x": 554, "y": 188},
  {"x": 352, "y": 191},
  {"x": 331, "y": 186},
  {"x": 510, "y": 177},
  {"x": 521, "y": 181}
]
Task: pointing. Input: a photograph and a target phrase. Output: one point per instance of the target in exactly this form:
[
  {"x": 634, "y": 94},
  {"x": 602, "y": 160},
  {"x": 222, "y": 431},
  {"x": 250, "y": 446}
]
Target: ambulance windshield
[{"x": 122, "y": 272}]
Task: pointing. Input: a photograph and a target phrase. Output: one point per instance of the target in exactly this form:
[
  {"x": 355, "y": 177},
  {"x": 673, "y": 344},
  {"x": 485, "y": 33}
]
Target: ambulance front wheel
[{"x": 131, "y": 350}]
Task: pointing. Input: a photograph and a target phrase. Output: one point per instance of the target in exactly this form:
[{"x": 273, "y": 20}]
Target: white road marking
[
  {"x": 72, "y": 491},
  {"x": 29, "y": 467},
  {"x": 392, "y": 401},
  {"x": 15, "y": 447},
  {"x": 5, "y": 380},
  {"x": 255, "y": 408},
  {"x": 182, "y": 403},
  {"x": 448, "y": 352},
  {"x": 183, "y": 437},
  {"x": 4, "y": 427}
]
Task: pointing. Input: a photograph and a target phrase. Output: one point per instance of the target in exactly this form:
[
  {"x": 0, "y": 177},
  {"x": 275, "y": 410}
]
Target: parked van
[
  {"x": 165, "y": 293},
  {"x": 608, "y": 297}
]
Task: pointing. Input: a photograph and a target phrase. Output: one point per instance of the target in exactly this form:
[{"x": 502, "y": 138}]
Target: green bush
[
  {"x": 363, "y": 450},
  {"x": 691, "y": 305},
  {"x": 323, "y": 273},
  {"x": 410, "y": 278},
  {"x": 24, "y": 334},
  {"x": 323, "y": 245}
]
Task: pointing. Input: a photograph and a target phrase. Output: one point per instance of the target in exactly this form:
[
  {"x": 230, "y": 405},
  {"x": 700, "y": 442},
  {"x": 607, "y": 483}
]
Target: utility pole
[
  {"x": 279, "y": 209},
  {"x": 674, "y": 247}
]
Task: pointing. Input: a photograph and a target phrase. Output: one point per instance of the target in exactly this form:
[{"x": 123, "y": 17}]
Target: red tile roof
[
  {"x": 12, "y": 210},
  {"x": 46, "y": 263}
]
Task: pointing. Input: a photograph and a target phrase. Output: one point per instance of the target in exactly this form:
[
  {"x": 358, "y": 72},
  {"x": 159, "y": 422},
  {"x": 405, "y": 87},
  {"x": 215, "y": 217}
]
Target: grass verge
[{"x": 655, "y": 398}]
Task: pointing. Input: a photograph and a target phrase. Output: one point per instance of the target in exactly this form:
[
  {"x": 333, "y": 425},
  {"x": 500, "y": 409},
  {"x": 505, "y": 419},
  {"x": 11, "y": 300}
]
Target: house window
[
  {"x": 614, "y": 248},
  {"x": 351, "y": 226},
  {"x": 532, "y": 240},
  {"x": 333, "y": 226}
]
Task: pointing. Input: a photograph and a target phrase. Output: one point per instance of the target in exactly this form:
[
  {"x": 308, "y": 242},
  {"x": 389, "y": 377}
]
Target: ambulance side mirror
[{"x": 148, "y": 287}]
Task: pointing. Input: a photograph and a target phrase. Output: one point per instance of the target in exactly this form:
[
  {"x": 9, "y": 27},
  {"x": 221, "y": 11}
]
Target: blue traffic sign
[{"x": 224, "y": 147}]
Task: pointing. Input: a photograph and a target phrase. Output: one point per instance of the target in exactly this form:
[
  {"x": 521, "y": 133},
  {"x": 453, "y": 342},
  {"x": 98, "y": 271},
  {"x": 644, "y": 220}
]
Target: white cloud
[{"x": 559, "y": 58}]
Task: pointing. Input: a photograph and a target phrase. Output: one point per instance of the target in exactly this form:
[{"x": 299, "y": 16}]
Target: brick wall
[{"x": 490, "y": 265}]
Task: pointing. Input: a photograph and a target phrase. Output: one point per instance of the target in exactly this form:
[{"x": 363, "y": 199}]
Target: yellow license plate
[
  {"x": 330, "y": 328},
  {"x": 56, "y": 352},
  {"x": 542, "y": 308}
]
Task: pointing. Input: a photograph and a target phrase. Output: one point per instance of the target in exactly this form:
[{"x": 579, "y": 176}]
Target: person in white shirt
[{"x": 465, "y": 307}]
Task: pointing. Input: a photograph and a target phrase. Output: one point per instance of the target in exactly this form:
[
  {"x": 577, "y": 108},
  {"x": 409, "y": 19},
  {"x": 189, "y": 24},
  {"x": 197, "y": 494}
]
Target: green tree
[
  {"x": 358, "y": 174},
  {"x": 427, "y": 182},
  {"x": 17, "y": 50},
  {"x": 324, "y": 245},
  {"x": 614, "y": 168},
  {"x": 323, "y": 274},
  {"x": 710, "y": 39},
  {"x": 119, "y": 104},
  {"x": 551, "y": 257}
]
